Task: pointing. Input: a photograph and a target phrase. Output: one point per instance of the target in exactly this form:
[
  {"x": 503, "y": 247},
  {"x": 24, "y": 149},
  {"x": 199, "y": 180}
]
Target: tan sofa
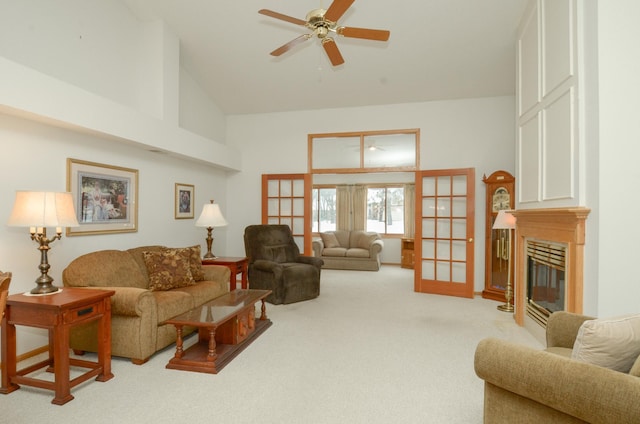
[
  {"x": 355, "y": 250},
  {"x": 143, "y": 301},
  {"x": 524, "y": 385}
]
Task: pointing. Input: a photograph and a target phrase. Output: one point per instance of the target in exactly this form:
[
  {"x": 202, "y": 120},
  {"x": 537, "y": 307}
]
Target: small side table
[
  {"x": 237, "y": 265},
  {"x": 407, "y": 258},
  {"x": 57, "y": 313}
]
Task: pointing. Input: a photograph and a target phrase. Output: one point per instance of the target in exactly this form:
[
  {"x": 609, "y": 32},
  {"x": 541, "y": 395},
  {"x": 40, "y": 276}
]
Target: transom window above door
[{"x": 370, "y": 151}]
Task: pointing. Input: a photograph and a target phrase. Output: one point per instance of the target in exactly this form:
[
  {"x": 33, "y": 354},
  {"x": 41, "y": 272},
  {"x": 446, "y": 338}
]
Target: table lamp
[
  {"x": 39, "y": 210},
  {"x": 211, "y": 217},
  {"x": 506, "y": 221}
]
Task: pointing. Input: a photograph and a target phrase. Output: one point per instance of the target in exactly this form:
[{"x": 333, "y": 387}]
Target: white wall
[
  {"x": 141, "y": 61},
  {"x": 605, "y": 46},
  {"x": 618, "y": 149},
  {"x": 76, "y": 41},
  {"x": 198, "y": 113},
  {"x": 550, "y": 151},
  {"x": 34, "y": 158},
  {"x": 454, "y": 134},
  {"x": 85, "y": 80},
  {"x": 92, "y": 65}
]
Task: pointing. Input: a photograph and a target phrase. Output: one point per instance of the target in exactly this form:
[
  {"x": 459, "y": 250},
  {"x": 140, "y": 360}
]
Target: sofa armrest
[
  {"x": 375, "y": 248},
  {"x": 588, "y": 392},
  {"x": 129, "y": 301},
  {"x": 217, "y": 273},
  {"x": 562, "y": 328},
  {"x": 318, "y": 246}
]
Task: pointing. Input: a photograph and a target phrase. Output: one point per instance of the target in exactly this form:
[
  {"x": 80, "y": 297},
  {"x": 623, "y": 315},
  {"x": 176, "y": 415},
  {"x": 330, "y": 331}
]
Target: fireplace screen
[{"x": 546, "y": 264}]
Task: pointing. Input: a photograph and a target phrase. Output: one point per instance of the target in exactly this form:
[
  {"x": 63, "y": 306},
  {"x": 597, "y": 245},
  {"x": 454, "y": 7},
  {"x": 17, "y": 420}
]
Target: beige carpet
[{"x": 368, "y": 350}]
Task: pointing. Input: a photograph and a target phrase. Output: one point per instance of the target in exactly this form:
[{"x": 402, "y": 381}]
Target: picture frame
[
  {"x": 184, "y": 203},
  {"x": 105, "y": 198}
]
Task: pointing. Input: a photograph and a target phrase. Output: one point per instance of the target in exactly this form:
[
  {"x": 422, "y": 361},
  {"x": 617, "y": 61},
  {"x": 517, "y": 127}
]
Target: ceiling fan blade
[
  {"x": 282, "y": 17},
  {"x": 337, "y": 9},
  {"x": 291, "y": 44},
  {"x": 331, "y": 48},
  {"x": 366, "y": 33}
]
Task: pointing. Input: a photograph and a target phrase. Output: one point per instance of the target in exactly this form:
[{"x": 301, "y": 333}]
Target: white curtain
[
  {"x": 359, "y": 207},
  {"x": 343, "y": 208},
  {"x": 409, "y": 210}
]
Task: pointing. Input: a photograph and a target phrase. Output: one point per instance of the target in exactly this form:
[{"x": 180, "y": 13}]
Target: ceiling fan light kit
[{"x": 324, "y": 22}]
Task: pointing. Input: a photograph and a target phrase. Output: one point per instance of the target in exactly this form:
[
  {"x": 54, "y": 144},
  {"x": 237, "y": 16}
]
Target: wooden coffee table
[{"x": 226, "y": 325}]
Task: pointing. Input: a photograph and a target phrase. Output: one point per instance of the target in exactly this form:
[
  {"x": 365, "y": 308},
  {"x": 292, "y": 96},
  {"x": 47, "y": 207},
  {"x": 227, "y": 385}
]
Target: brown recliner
[{"x": 275, "y": 264}]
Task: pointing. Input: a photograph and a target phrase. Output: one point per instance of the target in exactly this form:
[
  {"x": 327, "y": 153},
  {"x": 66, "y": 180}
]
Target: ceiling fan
[
  {"x": 374, "y": 147},
  {"x": 370, "y": 146},
  {"x": 324, "y": 22}
]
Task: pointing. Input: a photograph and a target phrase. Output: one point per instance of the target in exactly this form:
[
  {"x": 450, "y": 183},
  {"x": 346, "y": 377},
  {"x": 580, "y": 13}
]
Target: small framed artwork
[
  {"x": 184, "y": 201},
  {"x": 105, "y": 198}
]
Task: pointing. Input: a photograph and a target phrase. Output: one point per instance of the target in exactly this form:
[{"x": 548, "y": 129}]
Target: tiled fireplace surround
[{"x": 560, "y": 225}]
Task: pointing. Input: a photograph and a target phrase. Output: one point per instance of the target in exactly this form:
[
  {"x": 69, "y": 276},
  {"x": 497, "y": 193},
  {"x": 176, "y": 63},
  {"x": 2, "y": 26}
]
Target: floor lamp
[{"x": 506, "y": 221}]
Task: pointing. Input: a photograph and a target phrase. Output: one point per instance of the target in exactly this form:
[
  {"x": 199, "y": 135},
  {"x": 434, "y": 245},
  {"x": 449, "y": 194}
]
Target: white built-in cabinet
[{"x": 548, "y": 149}]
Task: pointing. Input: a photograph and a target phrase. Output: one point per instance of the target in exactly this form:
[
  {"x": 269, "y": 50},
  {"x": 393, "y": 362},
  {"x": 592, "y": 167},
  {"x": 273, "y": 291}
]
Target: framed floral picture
[
  {"x": 105, "y": 197},
  {"x": 184, "y": 201}
]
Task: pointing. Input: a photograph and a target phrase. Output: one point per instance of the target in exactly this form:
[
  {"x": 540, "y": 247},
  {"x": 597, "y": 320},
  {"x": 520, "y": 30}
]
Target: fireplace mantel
[{"x": 561, "y": 225}]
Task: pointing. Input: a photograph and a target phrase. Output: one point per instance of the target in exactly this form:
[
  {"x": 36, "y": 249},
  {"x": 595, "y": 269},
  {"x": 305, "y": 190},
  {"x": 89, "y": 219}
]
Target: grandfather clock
[{"x": 500, "y": 194}]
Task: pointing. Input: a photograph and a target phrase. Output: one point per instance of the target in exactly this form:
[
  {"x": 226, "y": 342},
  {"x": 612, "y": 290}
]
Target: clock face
[{"x": 501, "y": 199}]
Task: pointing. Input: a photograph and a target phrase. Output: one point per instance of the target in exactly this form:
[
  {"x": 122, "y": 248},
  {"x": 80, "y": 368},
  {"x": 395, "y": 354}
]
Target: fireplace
[
  {"x": 559, "y": 229},
  {"x": 545, "y": 279}
]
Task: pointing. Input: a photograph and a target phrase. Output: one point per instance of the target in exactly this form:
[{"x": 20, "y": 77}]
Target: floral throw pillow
[
  {"x": 168, "y": 269},
  {"x": 195, "y": 262}
]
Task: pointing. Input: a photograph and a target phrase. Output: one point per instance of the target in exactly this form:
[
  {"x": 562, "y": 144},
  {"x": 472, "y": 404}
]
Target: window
[
  {"x": 384, "y": 214},
  {"x": 385, "y": 210},
  {"x": 369, "y": 151},
  {"x": 324, "y": 209}
]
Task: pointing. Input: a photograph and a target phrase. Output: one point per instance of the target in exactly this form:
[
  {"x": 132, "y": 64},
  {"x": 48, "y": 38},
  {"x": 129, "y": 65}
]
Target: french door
[
  {"x": 286, "y": 199},
  {"x": 444, "y": 244}
]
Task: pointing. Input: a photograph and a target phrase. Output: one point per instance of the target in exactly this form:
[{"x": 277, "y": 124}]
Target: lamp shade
[
  {"x": 504, "y": 221},
  {"x": 211, "y": 216},
  {"x": 43, "y": 209}
]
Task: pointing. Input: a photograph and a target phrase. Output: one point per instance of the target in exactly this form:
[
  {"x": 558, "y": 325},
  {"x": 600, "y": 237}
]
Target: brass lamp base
[
  {"x": 44, "y": 282},
  {"x": 44, "y": 289},
  {"x": 507, "y": 307},
  {"x": 209, "y": 254}
]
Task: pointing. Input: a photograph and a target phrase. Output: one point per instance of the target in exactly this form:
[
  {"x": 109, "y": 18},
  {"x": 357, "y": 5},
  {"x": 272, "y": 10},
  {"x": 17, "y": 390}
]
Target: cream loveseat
[
  {"x": 356, "y": 250},
  {"x": 524, "y": 385},
  {"x": 152, "y": 284}
]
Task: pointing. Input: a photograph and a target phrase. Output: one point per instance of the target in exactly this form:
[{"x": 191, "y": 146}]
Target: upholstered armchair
[
  {"x": 5, "y": 280},
  {"x": 275, "y": 264},
  {"x": 525, "y": 385}
]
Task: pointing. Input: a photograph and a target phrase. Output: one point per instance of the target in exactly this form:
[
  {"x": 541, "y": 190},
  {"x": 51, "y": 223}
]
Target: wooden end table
[
  {"x": 237, "y": 265},
  {"x": 57, "y": 312},
  {"x": 226, "y": 325}
]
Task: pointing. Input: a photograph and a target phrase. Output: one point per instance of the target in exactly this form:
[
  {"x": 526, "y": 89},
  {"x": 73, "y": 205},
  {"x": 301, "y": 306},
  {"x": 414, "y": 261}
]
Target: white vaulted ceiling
[{"x": 438, "y": 49}]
